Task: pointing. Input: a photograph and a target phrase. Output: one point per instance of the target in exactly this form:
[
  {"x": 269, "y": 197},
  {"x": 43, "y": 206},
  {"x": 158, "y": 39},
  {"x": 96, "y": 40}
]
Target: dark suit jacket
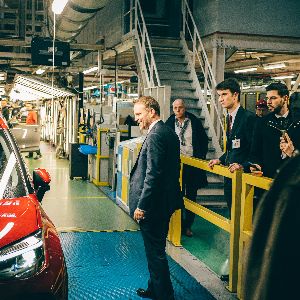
[
  {"x": 200, "y": 146},
  {"x": 243, "y": 130},
  {"x": 272, "y": 262},
  {"x": 265, "y": 148},
  {"x": 154, "y": 179}
]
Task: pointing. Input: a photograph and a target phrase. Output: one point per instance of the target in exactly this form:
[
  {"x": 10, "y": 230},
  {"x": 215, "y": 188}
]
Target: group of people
[{"x": 253, "y": 145}]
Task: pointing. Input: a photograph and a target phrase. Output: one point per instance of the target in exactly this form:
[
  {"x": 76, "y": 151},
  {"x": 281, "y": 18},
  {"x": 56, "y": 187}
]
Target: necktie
[{"x": 229, "y": 123}]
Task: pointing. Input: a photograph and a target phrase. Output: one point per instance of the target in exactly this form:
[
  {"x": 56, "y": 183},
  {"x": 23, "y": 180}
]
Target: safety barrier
[
  {"x": 248, "y": 183},
  {"x": 101, "y": 158},
  {"x": 239, "y": 226}
]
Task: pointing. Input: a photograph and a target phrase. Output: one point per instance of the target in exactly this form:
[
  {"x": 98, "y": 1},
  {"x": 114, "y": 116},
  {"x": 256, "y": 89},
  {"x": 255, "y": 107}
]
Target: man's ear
[
  {"x": 152, "y": 112},
  {"x": 286, "y": 99}
]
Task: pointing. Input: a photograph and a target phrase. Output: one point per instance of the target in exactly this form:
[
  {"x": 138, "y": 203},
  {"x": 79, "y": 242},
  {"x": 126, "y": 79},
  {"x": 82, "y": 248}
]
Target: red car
[{"x": 32, "y": 264}]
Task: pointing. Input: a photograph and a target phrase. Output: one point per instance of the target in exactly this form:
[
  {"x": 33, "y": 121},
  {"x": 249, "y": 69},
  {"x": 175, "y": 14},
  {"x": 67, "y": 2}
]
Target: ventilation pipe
[{"x": 74, "y": 17}]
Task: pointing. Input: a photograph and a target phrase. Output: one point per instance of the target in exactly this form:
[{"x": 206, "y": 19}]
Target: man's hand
[
  {"x": 256, "y": 170},
  {"x": 138, "y": 214},
  {"x": 286, "y": 145},
  {"x": 213, "y": 162},
  {"x": 235, "y": 166}
]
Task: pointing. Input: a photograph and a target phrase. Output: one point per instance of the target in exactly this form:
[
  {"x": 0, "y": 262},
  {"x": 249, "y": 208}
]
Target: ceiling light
[
  {"x": 93, "y": 69},
  {"x": 90, "y": 87},
  {"x": 245, "y": 70},
  {"x": 274, "y": 66},
  {"x": 283, "y": 77},
  {"x": 40, "y": 71},
  {"x": 58, "y": 6}
]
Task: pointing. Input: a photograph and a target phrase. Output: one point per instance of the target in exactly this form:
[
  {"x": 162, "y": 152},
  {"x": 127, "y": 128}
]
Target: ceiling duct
[{"x": 74, "y": 17}]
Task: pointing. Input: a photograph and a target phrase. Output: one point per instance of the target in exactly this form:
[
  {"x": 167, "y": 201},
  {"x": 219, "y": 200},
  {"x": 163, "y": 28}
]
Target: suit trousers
[
  {"x": 154, "y": 233},
  {"x": 189, "y": 189},
  {"x": 228, "y": 193}
]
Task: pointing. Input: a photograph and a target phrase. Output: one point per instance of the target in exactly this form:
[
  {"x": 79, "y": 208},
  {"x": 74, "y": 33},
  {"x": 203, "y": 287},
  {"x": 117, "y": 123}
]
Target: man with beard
[
  {"x": 154, "y": 194},
  {"x": 266, "y": 155}
]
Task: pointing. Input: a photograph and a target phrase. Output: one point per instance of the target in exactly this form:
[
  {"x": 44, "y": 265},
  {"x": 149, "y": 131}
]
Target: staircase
[{"x": 173, "y": 70}]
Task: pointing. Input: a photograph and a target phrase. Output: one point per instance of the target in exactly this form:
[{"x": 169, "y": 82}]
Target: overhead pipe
[{"x": 74, "y": 17}]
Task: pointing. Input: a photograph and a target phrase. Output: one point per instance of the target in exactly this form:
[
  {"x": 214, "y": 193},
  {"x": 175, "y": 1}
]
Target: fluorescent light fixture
[
  {"x": 283, "y": 77},
  {"x": 93, "y": 69},
  {"x": 275, "y": 66},
  {"x": 40, "y": 71},
  {"x": 245, "y": 70},
  {"x": 90, "y": 88},
  {"x": 246, "y": 87},
  {"x": 58, "y": 6}
]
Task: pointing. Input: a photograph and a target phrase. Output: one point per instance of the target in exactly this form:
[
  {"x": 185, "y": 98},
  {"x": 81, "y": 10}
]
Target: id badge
[{"x": 236, "y": 143}]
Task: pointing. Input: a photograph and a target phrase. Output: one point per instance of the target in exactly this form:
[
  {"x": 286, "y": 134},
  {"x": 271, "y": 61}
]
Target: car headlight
[{"x": 22, "y": 259}]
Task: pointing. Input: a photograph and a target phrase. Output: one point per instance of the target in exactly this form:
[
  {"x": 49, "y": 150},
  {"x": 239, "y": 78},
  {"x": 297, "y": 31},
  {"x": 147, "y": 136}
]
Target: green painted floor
[
  {"x": 210, "y": 244},
  {"x": 77, "y": 204}
]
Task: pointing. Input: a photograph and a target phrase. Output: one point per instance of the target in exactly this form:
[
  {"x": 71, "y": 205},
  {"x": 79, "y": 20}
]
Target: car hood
[{"x": 18, "y": 218}]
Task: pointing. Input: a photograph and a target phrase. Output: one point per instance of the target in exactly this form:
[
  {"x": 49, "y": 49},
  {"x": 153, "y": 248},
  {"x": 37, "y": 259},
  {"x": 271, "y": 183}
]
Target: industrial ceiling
[{"x": 249, "y": 65}]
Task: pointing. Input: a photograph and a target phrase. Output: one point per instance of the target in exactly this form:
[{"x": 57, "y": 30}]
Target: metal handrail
[
  {"x": 249, "y": 182},
  {"x": 143, "y": 41},
  {"x": 232, "y": 226},
  {"x": 200, "y": 55}
]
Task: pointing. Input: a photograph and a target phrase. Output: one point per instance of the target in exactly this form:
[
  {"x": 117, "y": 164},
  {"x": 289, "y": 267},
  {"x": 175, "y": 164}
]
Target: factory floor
[{"x": 104, "y": 249}]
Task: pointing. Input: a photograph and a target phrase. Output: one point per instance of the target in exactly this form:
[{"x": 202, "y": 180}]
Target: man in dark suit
[
  {"x": 193, "y": 143},
  {"x": 266, "y": 154},
  {"x": 240, "y": 123},
  {"x": 155, "y": 194}
]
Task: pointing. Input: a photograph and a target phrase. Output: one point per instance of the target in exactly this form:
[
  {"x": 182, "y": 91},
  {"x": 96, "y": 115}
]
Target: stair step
[
  {"x": 209, "y": 192},
  {"x": 165, "y": 42},
  {"x": 169, "y": 58},
  {"x": 184, "y": 93},
  {"x": 167, "y": 66},
  {"x": 178, "y": 84},
  {"x": 212, "y": 202},
  {"x": 173, "y": 75},
  {"x": 168, "y": 52},
  {"x": 164, "y": 49}
]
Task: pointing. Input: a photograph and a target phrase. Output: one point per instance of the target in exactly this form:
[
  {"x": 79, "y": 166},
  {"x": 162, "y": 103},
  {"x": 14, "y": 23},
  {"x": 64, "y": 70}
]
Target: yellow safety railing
[
  {"x": 248, "y": 183},
  {"x": 100, "y": 157},
  {"x": 232, "y": 226}
]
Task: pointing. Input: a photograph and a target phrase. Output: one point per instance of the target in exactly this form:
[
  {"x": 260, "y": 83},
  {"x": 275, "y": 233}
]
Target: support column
[{"x": 218, "y": 67}]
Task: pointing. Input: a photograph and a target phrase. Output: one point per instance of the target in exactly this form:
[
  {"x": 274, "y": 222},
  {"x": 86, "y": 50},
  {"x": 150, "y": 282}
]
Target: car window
[{"x": 11, "y": 180}]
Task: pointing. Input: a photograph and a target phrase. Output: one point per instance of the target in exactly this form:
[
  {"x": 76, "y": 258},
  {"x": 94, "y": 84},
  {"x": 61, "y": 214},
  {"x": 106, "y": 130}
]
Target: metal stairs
[{"x": 173, "y": 70}]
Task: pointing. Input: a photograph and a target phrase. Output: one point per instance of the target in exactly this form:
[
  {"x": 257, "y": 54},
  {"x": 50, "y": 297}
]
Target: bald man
[{"x": 193, "y": 143}]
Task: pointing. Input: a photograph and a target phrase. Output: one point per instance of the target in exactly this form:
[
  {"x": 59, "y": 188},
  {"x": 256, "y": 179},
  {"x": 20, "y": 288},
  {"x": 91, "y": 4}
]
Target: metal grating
[{"x": 113, "y": 265}]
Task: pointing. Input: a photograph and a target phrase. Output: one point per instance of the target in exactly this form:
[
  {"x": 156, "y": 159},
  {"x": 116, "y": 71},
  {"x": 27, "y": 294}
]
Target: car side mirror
[{"x": 41, "y": 181}]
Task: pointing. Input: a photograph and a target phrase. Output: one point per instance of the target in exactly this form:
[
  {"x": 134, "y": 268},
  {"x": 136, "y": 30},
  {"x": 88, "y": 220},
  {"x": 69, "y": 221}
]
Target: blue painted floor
[
  {"x": 103, "y": 248},
  {"x": 112, "y": 265}
]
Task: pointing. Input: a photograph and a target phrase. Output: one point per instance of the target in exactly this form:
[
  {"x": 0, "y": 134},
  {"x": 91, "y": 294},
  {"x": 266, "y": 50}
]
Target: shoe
[
  {"x": 28, "y": 156},
  {"x": 38, "y": 157},
  {"x": 144, "y": 293},
  {"x": 188, "y": 232},
  {"x": 224, "y": 277}
]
